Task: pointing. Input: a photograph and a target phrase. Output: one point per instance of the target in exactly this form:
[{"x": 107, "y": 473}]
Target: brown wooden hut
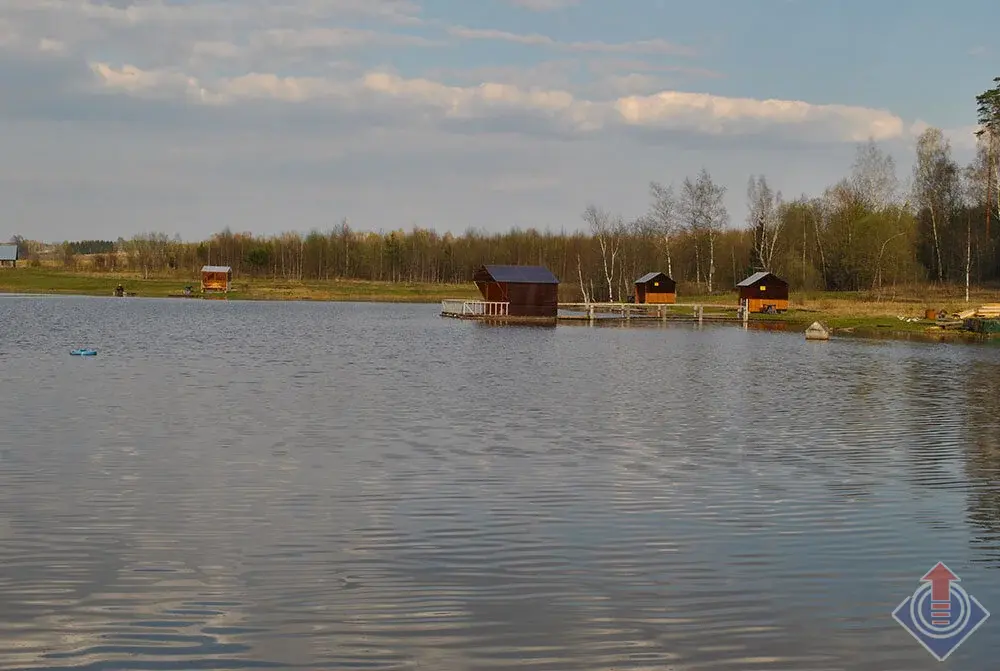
[
  {"x": 764, "y": 292},
  {"x": 655, "y": 287},
  {"x": 532, "y": 291},
  {"x": 216, "y": 278}
]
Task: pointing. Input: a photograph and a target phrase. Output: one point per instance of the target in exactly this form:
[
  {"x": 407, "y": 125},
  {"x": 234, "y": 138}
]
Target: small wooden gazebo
[
  {"x": 216, "y": 278},
  {"x": 655, "y": 288}
]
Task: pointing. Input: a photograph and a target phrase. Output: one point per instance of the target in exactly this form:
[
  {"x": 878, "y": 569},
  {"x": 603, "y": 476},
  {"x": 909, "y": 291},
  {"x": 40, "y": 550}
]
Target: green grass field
[{"x": 48, "y": 281}]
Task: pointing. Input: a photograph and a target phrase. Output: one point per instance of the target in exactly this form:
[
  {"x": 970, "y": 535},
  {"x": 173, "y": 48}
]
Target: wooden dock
[
  {"x": 494, "y": 312},
  {"x": 498, "y": 311},
  {"x": 685, "y": 312}
]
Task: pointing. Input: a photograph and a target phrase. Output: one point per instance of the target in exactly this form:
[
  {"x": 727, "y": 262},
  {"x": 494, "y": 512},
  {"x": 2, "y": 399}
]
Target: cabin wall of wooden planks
[
  {"x": 760, "y": 304},
  {"x": 659, "y": 298},
  {"x": 526, "y": 299}
]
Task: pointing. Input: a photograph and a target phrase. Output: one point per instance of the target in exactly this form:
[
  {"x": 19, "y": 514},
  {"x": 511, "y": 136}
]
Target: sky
[{"x": 189, "y": 116}]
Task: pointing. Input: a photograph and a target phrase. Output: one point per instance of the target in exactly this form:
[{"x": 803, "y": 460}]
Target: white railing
[{"x": 475, "y": 308}]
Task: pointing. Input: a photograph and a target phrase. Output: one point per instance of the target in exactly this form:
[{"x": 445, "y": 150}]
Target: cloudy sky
[{"x": 187, "y": 116}]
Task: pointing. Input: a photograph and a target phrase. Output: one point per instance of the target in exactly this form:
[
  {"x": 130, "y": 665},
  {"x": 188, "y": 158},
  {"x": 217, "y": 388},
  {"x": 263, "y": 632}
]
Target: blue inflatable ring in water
[{"x": 84, "y": 352}]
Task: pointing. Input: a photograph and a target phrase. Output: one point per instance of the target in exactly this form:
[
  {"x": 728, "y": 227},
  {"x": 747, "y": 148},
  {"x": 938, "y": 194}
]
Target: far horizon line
[{"x": 743, "y": 226}]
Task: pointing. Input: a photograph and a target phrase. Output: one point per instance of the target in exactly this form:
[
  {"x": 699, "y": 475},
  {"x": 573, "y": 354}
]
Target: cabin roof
[
  {"x": 520, "y": 274},
  {"x": 757, "y": 277},
  {"x": 651, "y": 276},
  {"x": 8, "y": 252},
  {"x": 216, "y": 269}
]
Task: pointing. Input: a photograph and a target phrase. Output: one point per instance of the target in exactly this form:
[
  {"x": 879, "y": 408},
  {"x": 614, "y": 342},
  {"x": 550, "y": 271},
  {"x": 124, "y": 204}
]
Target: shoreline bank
[
  {"x": 65, "y": 283},
  {"x": 844, "y": 314}
]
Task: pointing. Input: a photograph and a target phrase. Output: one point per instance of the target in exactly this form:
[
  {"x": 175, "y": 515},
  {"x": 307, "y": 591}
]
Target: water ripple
[{"x": 237, "y": 486}]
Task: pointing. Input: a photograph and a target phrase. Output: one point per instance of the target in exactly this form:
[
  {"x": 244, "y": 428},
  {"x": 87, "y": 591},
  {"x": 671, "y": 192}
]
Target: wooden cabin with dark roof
[
  {"x": 530, "y": 291},
  {"x": 764, "y": 292},
  {"x": 655, "y": 288}
]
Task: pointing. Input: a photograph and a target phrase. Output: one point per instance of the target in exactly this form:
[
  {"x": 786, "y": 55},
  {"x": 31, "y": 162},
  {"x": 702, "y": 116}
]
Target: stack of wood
[{"x": 988, "y": 311}]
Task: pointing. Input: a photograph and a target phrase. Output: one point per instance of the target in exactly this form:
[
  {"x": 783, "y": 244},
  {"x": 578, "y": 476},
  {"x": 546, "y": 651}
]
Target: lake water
[{"x": 234, "y": 485}]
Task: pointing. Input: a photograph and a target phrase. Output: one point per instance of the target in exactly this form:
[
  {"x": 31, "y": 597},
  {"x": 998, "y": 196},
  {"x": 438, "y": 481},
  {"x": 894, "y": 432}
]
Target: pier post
[
  {"x": 663, "y": 313},
  {"x": 590, "y": 313},
  {"x": 745, "y": 307},
  {"x": 628, "y": 313},
  {"x": 701, "y": 314}
]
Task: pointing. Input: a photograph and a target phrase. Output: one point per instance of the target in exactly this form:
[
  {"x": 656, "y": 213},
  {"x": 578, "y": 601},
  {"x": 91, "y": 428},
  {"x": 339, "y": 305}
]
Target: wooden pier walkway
[
  {"x": 499, "y": 311},
  {"x": 688, "y": 312}
]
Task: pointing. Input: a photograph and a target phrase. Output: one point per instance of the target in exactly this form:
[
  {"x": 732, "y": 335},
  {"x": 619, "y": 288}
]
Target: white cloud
[
  {"x": 212, "y": 33},
  {"x": 218, "y": 12},
  {"x": 223, "y": 110},
  {"x": 655, "y": 46},
  {"x": 544, "y": 5},
  {"x": 335, "y": 38},
  {"x": 159, "y": 84},
  {"x": 722, "y": 115},
  {"x": 666, "y": 110}
]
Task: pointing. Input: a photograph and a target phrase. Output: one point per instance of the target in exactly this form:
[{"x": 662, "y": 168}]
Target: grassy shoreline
[
  {"x": 845, "y": 313},
  {"x": 860, "y": 314},
  {"x": 58, "y": 282}
]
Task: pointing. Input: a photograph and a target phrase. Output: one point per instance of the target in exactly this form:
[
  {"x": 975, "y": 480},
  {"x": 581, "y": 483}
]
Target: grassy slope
[{"x": 46, "y": 281}]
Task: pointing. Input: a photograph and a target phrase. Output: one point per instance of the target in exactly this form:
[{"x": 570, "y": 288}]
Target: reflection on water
[
  {"x": 299, "y": 485},
  {"x": 982, "y": 462}
]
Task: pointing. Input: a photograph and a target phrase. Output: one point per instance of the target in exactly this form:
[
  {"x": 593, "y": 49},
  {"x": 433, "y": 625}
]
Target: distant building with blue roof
[{"x": 8, "y": 256}]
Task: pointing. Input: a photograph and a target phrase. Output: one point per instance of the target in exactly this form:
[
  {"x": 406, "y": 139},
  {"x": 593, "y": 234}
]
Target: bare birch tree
[
  {"x": 608, "y": 230},
  {"x": 971, "y": 192},
  {"x": 765, "y": 220},
  {"x": 663, "y": 217},
  {"x": 583, "y": 287},
  {"x": 873, "y": 178},
  {"x": 704, "y": 212},
  {"x": 935, "y": 178}
]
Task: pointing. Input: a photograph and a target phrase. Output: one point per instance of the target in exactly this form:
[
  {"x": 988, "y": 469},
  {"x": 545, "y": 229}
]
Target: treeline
[
  {"x": 865, "y": 232},
  {"x": 92, "y": 246}
]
